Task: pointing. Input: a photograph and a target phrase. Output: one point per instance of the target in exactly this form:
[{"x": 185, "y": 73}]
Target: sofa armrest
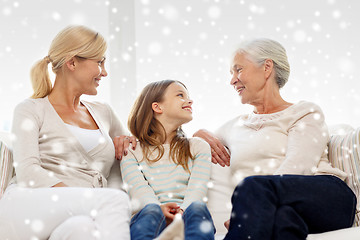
[
  {"x": 6, "y": 167},
  {"x": 344, "y": 154},
  {"x": 340, "y": 129}
]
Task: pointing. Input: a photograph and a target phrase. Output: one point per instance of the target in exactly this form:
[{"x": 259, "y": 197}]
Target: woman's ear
[
  {"x": 70, "y": 64},
  {"x": 268, "y": 65},
  {"x": 156, "y": 107}
]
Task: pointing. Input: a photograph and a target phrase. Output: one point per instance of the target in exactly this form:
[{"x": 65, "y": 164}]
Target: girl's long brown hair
[{"x": 150, "y": 132}]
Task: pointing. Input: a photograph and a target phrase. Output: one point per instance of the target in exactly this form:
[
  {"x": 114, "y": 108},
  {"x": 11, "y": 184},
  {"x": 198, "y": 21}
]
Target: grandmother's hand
[
  {"x": 219, "y": 154},
  {"x": 121, "y": 144},
  {"x": 227, "y": 224}
]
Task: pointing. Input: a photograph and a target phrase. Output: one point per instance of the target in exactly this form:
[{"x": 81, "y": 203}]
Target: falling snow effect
[
  {"x": 37, "y": 225},
  {"x": 191, "y": 41},
  {"x": 205, "y": 226}
]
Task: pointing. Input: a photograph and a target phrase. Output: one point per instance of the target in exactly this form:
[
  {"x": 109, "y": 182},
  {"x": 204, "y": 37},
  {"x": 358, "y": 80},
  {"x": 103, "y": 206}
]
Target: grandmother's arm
[
  {"x": 307, "y": 143},
  {"x": 219, "y": 153}
]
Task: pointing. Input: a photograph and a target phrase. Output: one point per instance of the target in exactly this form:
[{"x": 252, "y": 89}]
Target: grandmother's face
[{"x": 248, "y": 79}]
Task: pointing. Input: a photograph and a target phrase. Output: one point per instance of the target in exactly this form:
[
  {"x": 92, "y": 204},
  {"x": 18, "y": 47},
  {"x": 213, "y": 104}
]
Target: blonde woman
[{"x": 63, "y": 150}]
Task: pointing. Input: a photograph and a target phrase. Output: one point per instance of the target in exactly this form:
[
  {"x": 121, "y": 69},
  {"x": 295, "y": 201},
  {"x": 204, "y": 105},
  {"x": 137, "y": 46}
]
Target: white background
[{"x": 191, "y": 41}]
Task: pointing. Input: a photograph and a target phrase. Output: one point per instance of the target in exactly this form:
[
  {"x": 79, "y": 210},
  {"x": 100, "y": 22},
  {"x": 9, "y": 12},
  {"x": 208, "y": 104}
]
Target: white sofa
[{"x": 340, "y": 146}]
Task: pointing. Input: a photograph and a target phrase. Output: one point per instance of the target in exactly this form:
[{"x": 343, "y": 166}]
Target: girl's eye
[
  {"x": 238, "y": 70},
  {"x": 181, "y": 95}
]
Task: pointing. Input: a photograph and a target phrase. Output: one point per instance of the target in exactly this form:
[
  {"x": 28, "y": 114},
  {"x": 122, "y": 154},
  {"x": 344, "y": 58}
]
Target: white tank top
[{"x": 88, "y": 138}]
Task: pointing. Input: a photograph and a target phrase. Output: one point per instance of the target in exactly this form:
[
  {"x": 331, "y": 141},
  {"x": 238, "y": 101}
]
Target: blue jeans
[
  {"x": 150, "y": 222},
  {"x": 290, "y": 207}
]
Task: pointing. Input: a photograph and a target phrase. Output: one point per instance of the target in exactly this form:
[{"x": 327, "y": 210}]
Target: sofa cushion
[
  {"x": 344, "y": 153},
  {"x": 6, "y": 167}
]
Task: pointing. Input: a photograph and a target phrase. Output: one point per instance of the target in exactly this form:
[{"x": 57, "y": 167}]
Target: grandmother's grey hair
[{"x": 259, "y": 50}]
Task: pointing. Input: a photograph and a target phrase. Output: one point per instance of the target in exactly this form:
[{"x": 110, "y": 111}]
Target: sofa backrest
[{"x": 5, "y": 137}]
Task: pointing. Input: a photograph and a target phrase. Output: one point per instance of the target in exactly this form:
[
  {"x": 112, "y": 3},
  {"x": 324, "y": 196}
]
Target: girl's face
[
  {"x": 89, "y": 74},
  {"x": 176, "y": 105}
]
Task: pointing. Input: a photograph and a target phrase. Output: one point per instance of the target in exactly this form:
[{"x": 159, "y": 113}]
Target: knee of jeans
[
  {"x": 197, "y": 205},
  {"x": 249, "y": 184},
  {"x": 153, "y": 209},
  {"x": 252, "y": 181},
  {"x": 198, "y": 211}
]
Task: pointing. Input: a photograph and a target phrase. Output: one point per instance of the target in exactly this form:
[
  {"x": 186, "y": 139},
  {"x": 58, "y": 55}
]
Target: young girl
[{"x": 168, "y": 173}]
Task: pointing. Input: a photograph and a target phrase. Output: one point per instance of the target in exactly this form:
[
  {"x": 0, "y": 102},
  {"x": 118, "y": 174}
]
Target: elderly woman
[{"x": 288, "y": 188}]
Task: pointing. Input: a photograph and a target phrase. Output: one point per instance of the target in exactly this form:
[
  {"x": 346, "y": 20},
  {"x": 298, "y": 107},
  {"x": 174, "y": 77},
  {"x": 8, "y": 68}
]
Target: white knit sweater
[
  {"x": 292, "y": 141},
  {"x": 46, "y": 152}
]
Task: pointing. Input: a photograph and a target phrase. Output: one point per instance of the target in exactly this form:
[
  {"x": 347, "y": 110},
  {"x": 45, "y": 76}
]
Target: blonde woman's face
[{"x": 89, "y": 73}]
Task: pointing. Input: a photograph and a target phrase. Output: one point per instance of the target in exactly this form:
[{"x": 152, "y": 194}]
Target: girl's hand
[
  {"x": 169, "y": 210},
  {"x": 121, "y": 144},
  {"x": 219, "y": 154}
]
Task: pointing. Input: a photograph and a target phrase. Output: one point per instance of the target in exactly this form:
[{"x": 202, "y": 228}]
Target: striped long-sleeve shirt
[{"x": 164, "y": 181}]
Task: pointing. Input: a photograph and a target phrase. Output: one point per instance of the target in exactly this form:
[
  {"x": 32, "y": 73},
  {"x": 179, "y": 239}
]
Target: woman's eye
[
  {"x": 238, "y": 70},
  {"x": 181, "y": 95},
  {"x": 101, "y": 62}
]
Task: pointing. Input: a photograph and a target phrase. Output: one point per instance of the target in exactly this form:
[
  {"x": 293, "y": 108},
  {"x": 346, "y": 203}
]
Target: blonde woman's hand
[
  {"x": 60, "y": 184},
  {"x": 219, "y": 153},
  {"x": 121, "y": 144}
]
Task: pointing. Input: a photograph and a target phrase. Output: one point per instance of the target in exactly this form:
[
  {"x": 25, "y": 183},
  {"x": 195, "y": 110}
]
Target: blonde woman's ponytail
[{"x": 40, "y": 78}]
